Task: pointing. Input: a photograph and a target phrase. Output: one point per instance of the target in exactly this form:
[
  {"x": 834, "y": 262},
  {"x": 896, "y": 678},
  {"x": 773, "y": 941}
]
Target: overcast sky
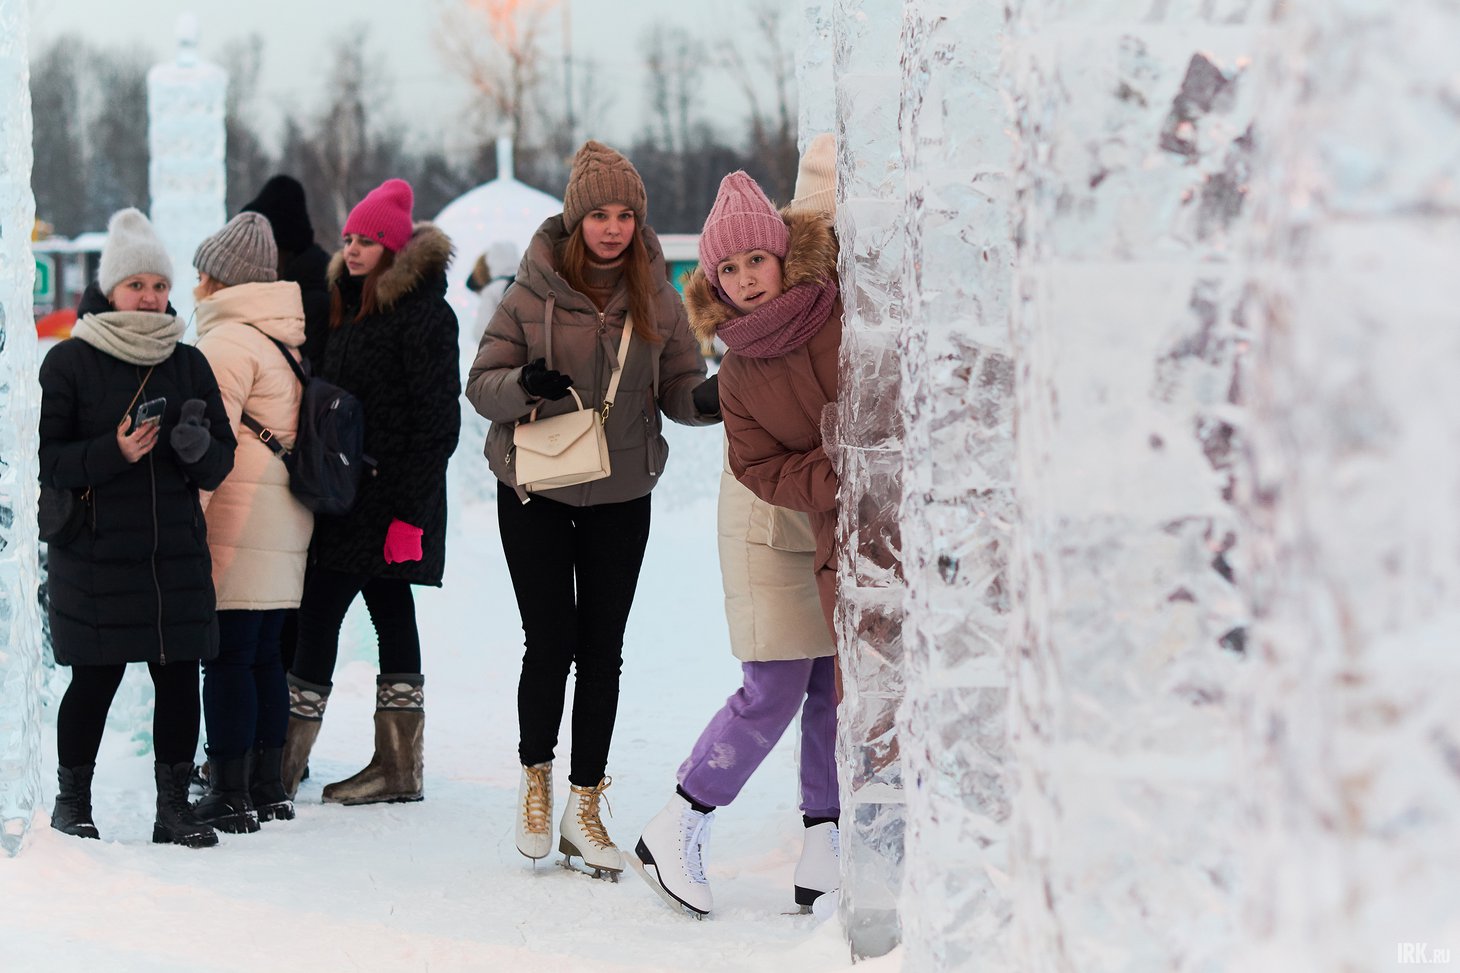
[{"x": 430, "y": 99}]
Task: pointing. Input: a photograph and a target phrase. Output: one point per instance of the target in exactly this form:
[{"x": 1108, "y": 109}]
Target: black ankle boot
[
  {"x": 72, "y": 811},
  {"x": 226, "y": 805},
  {"x": 266, "y": 785},
  {"x": 176, "y": 823}
]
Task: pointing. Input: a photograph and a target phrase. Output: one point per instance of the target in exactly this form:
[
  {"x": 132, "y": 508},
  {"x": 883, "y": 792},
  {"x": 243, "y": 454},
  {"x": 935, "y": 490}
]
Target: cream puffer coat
[
  {"x": 768, "y": 566},
  {"x": 258, "y": 532}
]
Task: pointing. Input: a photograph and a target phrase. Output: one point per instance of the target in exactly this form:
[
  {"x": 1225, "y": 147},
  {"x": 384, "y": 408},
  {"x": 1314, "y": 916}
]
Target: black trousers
[
  {"x": 81, "y": 717},
  {"x": 245, "y": 698},
  {"x": 327, "y": 596},
  {"x": 574, "y": 570}
]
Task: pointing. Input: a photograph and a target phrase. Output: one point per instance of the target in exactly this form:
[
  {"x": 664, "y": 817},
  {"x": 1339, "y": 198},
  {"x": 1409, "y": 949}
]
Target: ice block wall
[
  {"x": 870, "y": 218},
  {"x": 815, "y": 81},
  {"x": 1355, "y": 499},
  {"x": 20, "y": 643},
  {"x": 186, "y": 175},
  {"x": 957, "y": 491},
  {"x": 1133, "y": 124}
]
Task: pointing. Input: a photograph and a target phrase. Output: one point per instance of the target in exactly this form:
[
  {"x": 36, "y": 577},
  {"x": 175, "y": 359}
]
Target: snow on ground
[{"x": 439, "y": 885}]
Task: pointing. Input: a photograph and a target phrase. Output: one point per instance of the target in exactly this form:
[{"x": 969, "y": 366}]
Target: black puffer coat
[
  {"x": 402, "y": 363},
  {"x": 308, "y": 270},
  {"x": 136, "y": 584}
]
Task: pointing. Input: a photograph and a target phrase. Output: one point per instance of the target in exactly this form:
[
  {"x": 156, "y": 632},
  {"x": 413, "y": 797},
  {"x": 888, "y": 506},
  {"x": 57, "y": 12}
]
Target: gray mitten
[{"x": 190, "y": 437}]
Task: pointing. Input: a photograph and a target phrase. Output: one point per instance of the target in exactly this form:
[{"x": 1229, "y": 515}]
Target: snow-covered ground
[{"x": 439, "y": 885}]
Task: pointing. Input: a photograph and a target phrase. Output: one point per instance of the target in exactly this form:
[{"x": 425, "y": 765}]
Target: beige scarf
[{"x": 136, "y": 337}]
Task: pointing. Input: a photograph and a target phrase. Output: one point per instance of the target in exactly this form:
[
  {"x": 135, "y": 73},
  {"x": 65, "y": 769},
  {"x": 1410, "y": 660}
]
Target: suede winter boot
[
  {"x": 227, "y": 806},
  {"x": 266, "y": 785},
  {"x": 395, "y": 772},
  {"x": 535, "y": 810},
  {"x": 307, "y": 703},
  {"x": 176, "y": 824},
  {"x": 71, "y": 813}
]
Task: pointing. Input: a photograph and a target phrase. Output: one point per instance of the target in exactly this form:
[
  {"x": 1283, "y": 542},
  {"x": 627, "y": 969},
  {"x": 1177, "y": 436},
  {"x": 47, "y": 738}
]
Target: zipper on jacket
[{"x": 156, "y": 582}]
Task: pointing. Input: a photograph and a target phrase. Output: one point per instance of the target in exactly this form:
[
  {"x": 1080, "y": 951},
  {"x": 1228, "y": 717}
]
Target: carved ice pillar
[
  {"x": 815, "y": 81},
  {"x": 186, "y": 176},
  {"x": 1356, "y": 729},
  {"x": 957, "y": 490},
  {"x": 870, "y": 199},
  {"x": 1133, "y": 122},
  {"x": 20, "y": 640}
]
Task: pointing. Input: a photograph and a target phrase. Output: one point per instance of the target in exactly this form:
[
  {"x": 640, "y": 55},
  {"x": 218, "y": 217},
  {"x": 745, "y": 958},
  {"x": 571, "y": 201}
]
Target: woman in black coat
[
  {"x": 133, "y": 583},
  {"x": 393, "y": 344}
]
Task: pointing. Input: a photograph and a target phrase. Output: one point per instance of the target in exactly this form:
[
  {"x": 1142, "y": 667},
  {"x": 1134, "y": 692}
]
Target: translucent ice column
[
  {"x": 185, "y": 138},
  {"x": 1133, "y": 125},
  {"x": 870, "y": 196},
  {"x": 957, "y": 490},
  {"x": 815, "y": 81},
  {"x": 1355, "y": 737},
  {"x": 20, "y": 644}
]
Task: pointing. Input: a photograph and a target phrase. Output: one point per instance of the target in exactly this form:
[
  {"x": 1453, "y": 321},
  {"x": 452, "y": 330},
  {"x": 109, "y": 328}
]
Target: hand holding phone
[{"x": 149, "y": 413}]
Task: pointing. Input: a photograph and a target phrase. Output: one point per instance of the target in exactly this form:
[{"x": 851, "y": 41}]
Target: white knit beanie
[
  {"x": 132, "y": 247},
  {"x": 816, "y": 177}
]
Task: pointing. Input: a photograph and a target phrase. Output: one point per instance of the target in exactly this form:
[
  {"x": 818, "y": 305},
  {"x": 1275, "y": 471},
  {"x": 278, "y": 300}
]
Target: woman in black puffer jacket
[
  {"x": 135, "y": 583},
  {"x": 393, "y": 344}
]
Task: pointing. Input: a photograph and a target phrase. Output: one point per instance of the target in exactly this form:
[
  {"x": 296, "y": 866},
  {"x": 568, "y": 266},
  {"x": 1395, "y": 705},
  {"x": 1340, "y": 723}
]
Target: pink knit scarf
[{"x": 782, "y": 325}]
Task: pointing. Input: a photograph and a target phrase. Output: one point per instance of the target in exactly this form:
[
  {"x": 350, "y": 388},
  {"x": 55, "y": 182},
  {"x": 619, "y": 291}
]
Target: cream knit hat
[
  {"x": 816, "y": 177},
  {"x": 243, "y": 252},
  {"x": 132, "y": 247}
]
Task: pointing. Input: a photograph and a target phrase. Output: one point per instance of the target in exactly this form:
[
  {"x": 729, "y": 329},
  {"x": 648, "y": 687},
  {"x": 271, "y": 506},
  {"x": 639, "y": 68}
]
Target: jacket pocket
[
  {"x": 656, "y": 448},
  {"x": 790, "y": 530}
]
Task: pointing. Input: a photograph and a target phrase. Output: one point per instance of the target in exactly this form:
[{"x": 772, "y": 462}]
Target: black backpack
[{"x": 328, "y": 457}]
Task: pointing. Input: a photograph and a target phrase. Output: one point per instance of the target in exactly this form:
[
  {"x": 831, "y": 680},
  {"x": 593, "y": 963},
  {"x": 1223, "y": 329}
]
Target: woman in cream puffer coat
[{"x": 258, "y": 532}]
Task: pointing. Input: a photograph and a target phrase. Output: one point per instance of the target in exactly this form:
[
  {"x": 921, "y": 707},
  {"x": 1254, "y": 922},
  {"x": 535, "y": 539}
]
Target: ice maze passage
[{"x": 1150, "y": 508}]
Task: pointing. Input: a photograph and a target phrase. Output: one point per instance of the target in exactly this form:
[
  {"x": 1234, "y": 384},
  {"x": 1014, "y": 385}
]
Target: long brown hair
[
  {"x": 638, "y": 274},
  {"x": 368, "y": 300}
]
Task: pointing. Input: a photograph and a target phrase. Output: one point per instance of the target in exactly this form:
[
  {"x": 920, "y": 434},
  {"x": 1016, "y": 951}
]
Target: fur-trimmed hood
[
  {"x": 811, "y": 256},
  {"x": 423, "y": 260}
]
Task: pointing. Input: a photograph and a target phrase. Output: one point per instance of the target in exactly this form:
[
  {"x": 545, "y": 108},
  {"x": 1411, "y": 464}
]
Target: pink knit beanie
[
  {"x": 741, "y": 219},
  {"x": 384, "y": 214}
]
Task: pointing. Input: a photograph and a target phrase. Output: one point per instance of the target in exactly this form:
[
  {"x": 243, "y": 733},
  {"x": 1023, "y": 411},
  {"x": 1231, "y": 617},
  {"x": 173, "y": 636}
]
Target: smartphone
[{"x": 148, "y": 413}]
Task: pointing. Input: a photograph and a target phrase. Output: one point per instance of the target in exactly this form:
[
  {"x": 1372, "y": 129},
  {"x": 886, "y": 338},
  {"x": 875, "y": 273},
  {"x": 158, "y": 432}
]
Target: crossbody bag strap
[
  {"x": 547, "y": 326},
  {"x": 264, "y": 433},
  {"x": 618, "y": 367},
  {"x": 137, "y": 394}
]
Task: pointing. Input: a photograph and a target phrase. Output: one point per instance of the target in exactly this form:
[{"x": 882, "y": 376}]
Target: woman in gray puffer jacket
[{"x": 574, "y": 552}]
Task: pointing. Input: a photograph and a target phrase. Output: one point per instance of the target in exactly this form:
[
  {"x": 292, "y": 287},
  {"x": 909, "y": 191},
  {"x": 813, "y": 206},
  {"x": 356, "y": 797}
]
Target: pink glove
[{"x": 402, "y": 542}]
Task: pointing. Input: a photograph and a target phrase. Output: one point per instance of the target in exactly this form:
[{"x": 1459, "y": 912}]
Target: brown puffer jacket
[
  {"x": 258, "y": 532},
  {"x": 773, "y": 406},
  {"x": 585, "y": 342}
]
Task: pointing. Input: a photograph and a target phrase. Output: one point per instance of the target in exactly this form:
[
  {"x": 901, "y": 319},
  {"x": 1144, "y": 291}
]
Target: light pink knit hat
[
  {"x": 384, "y": 214},
  {"x": 741, "y": 219}
]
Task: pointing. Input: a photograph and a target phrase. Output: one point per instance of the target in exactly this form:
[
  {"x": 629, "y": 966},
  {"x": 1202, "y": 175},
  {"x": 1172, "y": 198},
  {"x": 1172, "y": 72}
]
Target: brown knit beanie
[
  {"x": 601, "y": 177},
  {"x": 243, "y": 252}
]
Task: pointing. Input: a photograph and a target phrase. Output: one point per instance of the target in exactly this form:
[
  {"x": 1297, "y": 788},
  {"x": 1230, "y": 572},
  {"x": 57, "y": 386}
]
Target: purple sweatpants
[{"x": 750, "y": 723}]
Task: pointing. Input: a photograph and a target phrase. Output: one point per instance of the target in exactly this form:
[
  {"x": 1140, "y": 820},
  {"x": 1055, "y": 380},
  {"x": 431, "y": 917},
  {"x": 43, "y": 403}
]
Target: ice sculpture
[
  {"x": 869, "y": 616},
  {"x": 815, "y": 82},
  {"x": 1355, "y": 493},
  {"x": 1133, "y": 125},
  {"x": 185, "y": 139},
  {"x": 957, "y": 490},
  {"x": 20, "y": 643}
]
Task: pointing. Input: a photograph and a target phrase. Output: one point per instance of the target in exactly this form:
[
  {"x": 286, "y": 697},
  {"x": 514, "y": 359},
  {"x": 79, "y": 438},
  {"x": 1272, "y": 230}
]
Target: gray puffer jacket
[{"x": 585, "y": 343}]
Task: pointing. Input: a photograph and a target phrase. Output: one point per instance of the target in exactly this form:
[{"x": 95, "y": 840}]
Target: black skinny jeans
[
  {"x": 82, "y": 714},
  {"x": 245, "y": 698},
  {"x": 327, "y": 596},
  {"x": 575, "y": 570}
]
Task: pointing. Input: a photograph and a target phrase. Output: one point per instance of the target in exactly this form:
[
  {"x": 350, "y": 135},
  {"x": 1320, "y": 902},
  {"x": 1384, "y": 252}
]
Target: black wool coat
[
  {"x": 308, "y": 269},
  {"x": 136, "y": 585},
  {"x": 401, "y": 362}
]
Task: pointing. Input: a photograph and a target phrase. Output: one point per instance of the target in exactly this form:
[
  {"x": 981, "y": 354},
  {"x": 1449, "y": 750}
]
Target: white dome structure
[{"x": 503, "y": 209}]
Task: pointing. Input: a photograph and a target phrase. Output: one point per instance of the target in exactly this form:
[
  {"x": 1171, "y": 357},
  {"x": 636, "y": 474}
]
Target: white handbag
[{"x": 572, "y": 448}]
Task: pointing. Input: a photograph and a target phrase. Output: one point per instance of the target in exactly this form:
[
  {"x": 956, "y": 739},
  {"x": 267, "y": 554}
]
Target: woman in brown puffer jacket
[{"x": 574, "y": 553}]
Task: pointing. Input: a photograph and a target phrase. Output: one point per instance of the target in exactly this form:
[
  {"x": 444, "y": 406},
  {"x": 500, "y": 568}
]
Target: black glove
[
  {"x": 190, "y": 437},
  {"x": 707, "y": 396},
  {"x": 541, "y": 382}
]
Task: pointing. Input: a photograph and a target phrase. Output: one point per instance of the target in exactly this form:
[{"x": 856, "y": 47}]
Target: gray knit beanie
[
  {"x": 132, "y": 247},
  {"x": 243, "y": 252}
]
